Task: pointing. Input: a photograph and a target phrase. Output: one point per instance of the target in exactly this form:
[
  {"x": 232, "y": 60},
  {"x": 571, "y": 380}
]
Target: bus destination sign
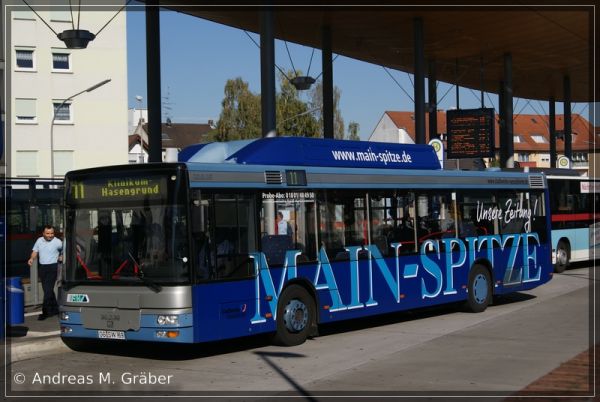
[
  {"x": 118, "y": 189},
  {"x": 470, "y": 133}
]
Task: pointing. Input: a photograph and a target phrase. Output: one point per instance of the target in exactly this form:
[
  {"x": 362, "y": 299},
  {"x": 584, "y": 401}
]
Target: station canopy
[{"x": 546, "y": 42}]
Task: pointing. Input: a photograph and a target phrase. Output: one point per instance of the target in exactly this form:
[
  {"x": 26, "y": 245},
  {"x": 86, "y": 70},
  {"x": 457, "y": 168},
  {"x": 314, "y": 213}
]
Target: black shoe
[{"x": 42, "y": 317}]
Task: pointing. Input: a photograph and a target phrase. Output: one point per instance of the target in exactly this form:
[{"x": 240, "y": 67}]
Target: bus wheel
[
  {"x": 480, "y": 294},
  {"x": 295, "y": 316},
  {"x": 562, "y": 257}
]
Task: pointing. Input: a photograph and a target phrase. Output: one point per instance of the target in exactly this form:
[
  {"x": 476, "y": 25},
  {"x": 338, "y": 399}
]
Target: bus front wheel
[
  {"x": 296, "y": 314},
  {"x": 480, "y": 289},
  {"x": 562, "y": 257}
]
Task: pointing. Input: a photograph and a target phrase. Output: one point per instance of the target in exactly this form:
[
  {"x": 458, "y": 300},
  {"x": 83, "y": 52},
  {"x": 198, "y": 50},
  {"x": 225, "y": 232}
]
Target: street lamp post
[{"x": 90, "y": 89}]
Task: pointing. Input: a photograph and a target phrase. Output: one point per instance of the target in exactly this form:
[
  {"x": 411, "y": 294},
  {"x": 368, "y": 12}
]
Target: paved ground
[
  {"x": 512, "y": 346},
  {"x": 34, "y": 338}
]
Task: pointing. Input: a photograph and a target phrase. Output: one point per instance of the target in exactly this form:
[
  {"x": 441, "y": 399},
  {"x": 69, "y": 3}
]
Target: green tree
[
  {"x": 240, "y": 115},
  {"x": 294, "y": 116},
  {"x": 316, "y": 102},
  {"x": 353, "y": 128}
]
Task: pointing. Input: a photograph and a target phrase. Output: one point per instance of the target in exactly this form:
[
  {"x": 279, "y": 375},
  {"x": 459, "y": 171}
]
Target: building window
[
  {"x": 63, "y": 162},
  {"x": 523, "y": 157},
  {"x": 25, "y": 110},
  {"x": 539, "y": 139},
  {"x": 62, "y": 114},
  {"x": 25, "y": 59},
  {"x": 27, "y": 163},
  {"x": 23, "y": 15},
  {"x": 517, "y": 139},
  {"x": 60, "y": 15},
  {"x": 61, "y": 61}
]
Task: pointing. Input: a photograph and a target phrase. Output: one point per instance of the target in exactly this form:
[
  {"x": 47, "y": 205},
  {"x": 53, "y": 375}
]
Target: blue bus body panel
[
  {"x": 224, "y": 310},
  {"x": 362, "y": 287},
  {"x": 302, "y": 151}
]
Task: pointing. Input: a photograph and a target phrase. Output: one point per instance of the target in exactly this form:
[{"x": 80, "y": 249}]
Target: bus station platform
[{"x": 34, "y": 338}]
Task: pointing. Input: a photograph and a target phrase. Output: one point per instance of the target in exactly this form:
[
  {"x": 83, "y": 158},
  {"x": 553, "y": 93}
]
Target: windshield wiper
[{"x": 155, "y": 287}]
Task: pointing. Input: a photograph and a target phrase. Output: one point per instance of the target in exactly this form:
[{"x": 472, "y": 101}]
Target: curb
[{"x": 40, "y": 347}]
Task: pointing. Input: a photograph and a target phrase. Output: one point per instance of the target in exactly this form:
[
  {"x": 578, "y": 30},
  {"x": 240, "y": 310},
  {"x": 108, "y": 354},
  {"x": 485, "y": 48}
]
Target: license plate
[{"x": 111, "y": 334}]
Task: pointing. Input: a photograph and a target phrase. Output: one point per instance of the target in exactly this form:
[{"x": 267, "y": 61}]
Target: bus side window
[
  {"x": 342, "y": 222},
  {"x": 201, "y": 212},
  {"x": 393, "y": 221},
  {"x": 234, "y": 235},
  {"x": 436, "y": 217},
  {"x": 288, "y": 222},
  {"x": 474, "y": 213},
  {"x": 538, "y": 220}
]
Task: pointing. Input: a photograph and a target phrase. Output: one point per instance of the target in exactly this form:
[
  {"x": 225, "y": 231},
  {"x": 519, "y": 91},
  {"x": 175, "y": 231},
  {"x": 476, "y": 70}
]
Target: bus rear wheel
[
  {"x": 296, "y": 315},
  {"x": 479, "y": 288},
  {"x": 562, "y": 257}
]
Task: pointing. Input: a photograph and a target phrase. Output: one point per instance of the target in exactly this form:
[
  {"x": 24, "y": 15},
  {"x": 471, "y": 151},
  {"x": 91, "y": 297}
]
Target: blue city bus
[
  {"x": 573, "y": 203},
  {"x": 279, "y": 235}
]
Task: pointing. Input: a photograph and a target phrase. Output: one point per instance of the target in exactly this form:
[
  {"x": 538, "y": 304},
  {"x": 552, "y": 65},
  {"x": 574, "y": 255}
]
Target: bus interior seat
[
  {"x": 275, "y": 246},
  {"x": 345, "y": 255},
  {"x": 381, "y": 243}
]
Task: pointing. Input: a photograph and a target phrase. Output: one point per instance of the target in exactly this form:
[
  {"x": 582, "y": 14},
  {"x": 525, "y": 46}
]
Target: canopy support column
[
  {"x": 267, "y": 73},
  {"x": 567, "y": 112},
  {"x": 153, "y": 81},
  {"x": 419, "y": 81},
  {"x": 327, "y": 63},
  {"x": 552, "y": 131}
]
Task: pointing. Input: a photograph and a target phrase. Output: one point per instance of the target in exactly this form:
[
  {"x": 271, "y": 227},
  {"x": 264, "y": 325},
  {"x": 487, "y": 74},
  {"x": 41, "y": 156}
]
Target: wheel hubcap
[
  {"x": 295, "y": 316},
  {"x": 480, "y": 288}
]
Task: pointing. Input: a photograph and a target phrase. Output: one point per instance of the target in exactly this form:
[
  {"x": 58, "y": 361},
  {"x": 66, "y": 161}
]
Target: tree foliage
[
  {"x": 353, "y": 129},
  {"x": 240, "y": 116},
  {"x": 316, "y": 102}
]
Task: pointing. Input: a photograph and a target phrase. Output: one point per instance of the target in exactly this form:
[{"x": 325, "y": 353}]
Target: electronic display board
[
  {"x": 470, "y": 133},
  {"x": 121, "y": 186},
  {"x": 295, "y": 177},
  {"x": 121, "y": 189}
]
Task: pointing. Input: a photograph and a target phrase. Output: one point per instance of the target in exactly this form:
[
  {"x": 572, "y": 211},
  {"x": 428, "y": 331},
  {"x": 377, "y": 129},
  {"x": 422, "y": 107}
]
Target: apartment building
[{"x": 48, "y": 134}]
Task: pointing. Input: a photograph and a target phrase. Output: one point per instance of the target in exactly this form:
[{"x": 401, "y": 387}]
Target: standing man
[
  {"x": 48, "y": 251},
  {"x": 281, "y": 227}
]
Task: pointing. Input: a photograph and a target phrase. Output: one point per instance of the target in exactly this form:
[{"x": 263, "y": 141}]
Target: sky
[{"x": 199, "y": 56}]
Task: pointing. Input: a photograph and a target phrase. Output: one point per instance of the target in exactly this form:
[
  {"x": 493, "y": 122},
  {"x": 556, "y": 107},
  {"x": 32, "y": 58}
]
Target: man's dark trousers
[{"x": 48, "y": 273}]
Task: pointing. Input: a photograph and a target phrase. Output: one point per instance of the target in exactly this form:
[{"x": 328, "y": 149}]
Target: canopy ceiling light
[
  {"x": 302, "y": 83},
  {"x": 76, "y": 38}
]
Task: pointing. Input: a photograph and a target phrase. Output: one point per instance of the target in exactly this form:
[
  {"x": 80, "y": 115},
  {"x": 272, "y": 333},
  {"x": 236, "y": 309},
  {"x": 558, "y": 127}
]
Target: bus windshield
[{"x": 140, "y": 238}]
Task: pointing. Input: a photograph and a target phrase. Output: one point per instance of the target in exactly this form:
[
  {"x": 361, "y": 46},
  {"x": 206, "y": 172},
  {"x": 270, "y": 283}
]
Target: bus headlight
[
  {"x": 64, "y": 316},
  {"x": 168, "y": 320}
]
